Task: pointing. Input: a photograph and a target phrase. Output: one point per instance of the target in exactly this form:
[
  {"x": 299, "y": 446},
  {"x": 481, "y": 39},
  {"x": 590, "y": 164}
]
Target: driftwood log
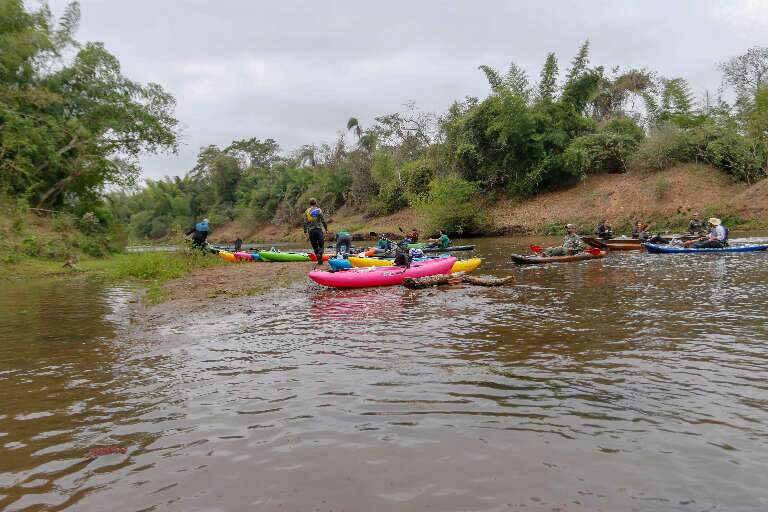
[
  {"x": 488, "y": 281},
  {"x": 416, "y": 283}
]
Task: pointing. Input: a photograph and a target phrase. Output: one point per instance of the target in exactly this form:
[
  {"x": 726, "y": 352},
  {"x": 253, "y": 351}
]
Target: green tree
[
  {"x": 548, "y": 80},
  {"x": 70, "y": 126}
]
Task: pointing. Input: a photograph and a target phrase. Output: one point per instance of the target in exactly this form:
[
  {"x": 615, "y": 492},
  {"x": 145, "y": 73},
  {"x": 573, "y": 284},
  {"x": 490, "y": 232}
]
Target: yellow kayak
[
  {"x": 460, "y": 266},
  {"x": 227, "y": 256}
]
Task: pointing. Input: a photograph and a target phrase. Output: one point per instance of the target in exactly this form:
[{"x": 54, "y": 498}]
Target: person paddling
[
  {"x": 572, "y": 244},
  {"x": 716, "y": 239},
  {"x": 442, "y": 241},
  {"x": 199, "y": 233},
  {"x": 315, "y": 227}
]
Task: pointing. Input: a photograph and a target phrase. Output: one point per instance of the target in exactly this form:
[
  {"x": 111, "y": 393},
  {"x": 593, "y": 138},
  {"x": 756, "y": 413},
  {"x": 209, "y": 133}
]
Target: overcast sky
[{"x": 295, "y": 71}]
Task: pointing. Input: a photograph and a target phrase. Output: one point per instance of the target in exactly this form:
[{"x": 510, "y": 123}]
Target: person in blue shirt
[{"x": 199, "y": 233}]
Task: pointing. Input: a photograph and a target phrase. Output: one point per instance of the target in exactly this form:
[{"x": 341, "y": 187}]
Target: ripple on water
[{"x": 635, "y": 382}]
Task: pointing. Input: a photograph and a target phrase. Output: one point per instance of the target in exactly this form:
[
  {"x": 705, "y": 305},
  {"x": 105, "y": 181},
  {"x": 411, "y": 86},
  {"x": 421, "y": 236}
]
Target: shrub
[
  {"x": 453, "y": 205},
  {"x": 63, "y": 223},
  {"x": 417, "y": 175},
  {"x": 31, "y": 246},
  {"x": 600, "y": 152},
  {"x": 661, "y": 189}
]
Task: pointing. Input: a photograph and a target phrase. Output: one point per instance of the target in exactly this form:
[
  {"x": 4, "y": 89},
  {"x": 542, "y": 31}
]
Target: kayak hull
[
  {"x": 625, "y": 244},
  {"x": 460, "y": 265},
  {"x": 227, "y": 256},
  {"x": 339, "y": 264},
  {"x": 532, "y": 260},
  {"x": 326, "y": 257},
  {"x": 283, "y": 256},
  {"x": 381, "y": 276},
  {"x": 665, "y": 249}
]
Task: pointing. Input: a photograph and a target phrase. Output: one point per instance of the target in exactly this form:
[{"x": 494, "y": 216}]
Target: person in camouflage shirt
[{"x": 572, "y": 244}]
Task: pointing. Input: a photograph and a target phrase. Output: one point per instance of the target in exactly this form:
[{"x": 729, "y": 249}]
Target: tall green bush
[{"x": 454, "y": 205}]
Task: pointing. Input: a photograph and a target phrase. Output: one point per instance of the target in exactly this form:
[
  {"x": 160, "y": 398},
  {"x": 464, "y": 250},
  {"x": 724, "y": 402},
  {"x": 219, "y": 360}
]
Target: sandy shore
[{"x": 223, "y": 289}]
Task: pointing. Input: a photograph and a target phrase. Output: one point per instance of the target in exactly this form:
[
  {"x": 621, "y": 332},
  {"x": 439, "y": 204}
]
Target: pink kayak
[
  {"x": 243, "y": 256},
  {"x": 365, "y": 277}
]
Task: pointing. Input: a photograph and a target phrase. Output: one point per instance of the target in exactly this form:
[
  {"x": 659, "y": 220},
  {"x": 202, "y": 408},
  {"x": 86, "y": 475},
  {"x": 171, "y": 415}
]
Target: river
[{"x": 638, "y": 382}]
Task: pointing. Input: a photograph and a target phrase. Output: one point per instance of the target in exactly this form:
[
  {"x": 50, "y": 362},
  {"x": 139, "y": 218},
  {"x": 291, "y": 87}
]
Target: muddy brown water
[{"x": 639, "y": 382}]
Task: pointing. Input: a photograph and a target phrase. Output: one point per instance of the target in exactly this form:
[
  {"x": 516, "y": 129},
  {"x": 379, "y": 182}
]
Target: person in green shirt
[{"x": 443, "y": 242}]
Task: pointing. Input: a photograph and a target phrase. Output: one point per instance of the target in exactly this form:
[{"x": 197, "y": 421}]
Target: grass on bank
[{"x": 150, "y": 270}]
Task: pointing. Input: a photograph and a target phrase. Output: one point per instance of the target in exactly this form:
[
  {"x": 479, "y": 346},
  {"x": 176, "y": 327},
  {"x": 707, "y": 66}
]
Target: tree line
[{"x": 73, "y": 127}]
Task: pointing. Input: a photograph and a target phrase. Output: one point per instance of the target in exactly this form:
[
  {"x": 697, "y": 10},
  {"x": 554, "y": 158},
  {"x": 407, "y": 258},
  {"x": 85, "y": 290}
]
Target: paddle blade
[
  {"x": 594, "y": 252},
  {"x": 536, "y": 248}
]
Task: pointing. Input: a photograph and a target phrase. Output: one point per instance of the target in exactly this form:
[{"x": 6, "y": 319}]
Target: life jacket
[
  {"x": 312, "y": 213},
  {"x": 201, "y": 226}
]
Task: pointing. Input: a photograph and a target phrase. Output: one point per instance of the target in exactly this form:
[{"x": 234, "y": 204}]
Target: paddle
[
  {"x": 536, "y": 249},
  {"x": 593, "y": 251}
]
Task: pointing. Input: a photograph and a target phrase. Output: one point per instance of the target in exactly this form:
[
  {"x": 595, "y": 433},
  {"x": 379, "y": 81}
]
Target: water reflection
[{"x": 636, "y": 382}]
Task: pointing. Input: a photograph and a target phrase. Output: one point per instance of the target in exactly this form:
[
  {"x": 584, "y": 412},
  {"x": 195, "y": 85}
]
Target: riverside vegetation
[{"x": 73, "y": 128}]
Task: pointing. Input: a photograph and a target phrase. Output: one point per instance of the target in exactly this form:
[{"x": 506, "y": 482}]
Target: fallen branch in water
[
  {"x": 416, "y": 283},
  {"x": 488, "y": 281}
]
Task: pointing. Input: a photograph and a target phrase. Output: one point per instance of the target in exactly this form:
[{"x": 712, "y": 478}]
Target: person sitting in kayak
[
  {"x": 383, "y": 242},
  {"x": 604, "y": 230},
  {"x": 199, "y": 233},
  {"x": 343, "y": 242},
  {"x": 314, "y": 226},
  {"x": 695, "y": 225},
  {"x": 441, "y": 242},
  {"x": 402, "y": 254},
  {"x": 716, "y": 239},
  {"x": 640, "y": 230},
  {"x": 572, "y": 244}
]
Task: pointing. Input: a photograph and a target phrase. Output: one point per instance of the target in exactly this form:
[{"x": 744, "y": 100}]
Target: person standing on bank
[
  {"x": 315, "y": 227},
  {"x": 199, "y": 233}
]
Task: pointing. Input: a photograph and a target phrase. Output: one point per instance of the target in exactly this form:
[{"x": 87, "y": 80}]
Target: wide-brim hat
[
  {"x": 715, "y": 221},
  {"x": 570, "y": 226}
]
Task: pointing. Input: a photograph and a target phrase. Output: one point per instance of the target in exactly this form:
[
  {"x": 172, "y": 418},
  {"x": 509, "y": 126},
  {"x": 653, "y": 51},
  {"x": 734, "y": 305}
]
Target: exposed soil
[{"x": 666, "y": 198}]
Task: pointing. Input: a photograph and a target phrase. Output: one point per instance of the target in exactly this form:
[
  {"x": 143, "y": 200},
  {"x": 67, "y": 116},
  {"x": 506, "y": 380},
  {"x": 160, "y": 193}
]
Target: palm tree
[{"x": 354, "y": 125}]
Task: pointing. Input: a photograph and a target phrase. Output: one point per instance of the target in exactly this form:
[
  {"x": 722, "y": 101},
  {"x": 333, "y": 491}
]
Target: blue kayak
[{"x": 666, "y": 249}]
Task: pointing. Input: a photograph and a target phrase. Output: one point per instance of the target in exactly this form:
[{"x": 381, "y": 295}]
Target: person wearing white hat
[
  {"x": 199, "y": 233},
  {"x": 716, "y": 239}
]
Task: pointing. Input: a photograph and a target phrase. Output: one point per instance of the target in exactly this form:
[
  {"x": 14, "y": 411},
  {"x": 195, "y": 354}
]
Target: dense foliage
[
  {"x": 70, "y": 122},
  {"x": 72, "y": 125}
]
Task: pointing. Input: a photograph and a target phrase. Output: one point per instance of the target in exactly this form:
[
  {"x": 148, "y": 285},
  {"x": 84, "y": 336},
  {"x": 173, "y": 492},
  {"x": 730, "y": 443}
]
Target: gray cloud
[{"x": 297, "y": 70}]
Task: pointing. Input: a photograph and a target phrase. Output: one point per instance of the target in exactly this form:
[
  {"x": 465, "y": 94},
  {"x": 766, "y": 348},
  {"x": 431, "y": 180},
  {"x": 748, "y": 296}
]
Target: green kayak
[
  {"x": 417, "y": 246},
  {"x": 283, "y": 256}
]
